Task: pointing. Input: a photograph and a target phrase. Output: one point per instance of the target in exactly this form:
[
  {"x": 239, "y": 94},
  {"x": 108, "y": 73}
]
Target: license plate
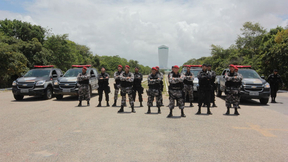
[
  {"x": 24, "y": 90},
  {"x": 254, "y": 93},
  {"x": 66, "y": 90}
]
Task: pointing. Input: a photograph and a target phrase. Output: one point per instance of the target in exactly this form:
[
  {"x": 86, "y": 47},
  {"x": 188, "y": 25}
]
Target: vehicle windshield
[
  {"x": 194, "y": 71},
  {"x": 37, "y": 73},
  {"x": 249, "y": 74},
  {"x": 73, "y": 72}
]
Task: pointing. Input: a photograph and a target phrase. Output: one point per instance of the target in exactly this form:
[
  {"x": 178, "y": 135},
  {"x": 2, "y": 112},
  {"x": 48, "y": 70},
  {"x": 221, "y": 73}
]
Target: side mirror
[
  {"x": 54, "y": 75},
  {"x": 263, "y": 77},
  {"x": 61, "y": 75},
  {"x": 92, "y": 75}
]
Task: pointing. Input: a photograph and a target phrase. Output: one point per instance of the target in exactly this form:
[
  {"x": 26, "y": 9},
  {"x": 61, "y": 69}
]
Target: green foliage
[
  {"x": 23, "y": 45},
  {"x": 263, "y": 50}
]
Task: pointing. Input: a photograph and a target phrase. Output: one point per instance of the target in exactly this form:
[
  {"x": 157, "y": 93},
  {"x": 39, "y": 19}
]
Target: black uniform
[
  {"x": 275, "y": 81},
  {"x": 103, "y": 82},
  {"x": 137, "y": 87},
  {"x": 204, "y": 91}
]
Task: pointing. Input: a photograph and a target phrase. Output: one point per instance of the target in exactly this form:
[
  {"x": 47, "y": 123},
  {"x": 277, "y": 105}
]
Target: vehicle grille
[
  {"x": 67, "y": 84},
  {"x": 25, "y": 85},
  {"x": 253, "y": 87}
]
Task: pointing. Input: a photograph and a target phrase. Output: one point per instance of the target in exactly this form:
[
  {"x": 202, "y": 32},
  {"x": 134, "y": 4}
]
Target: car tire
[
  {"x": 59, "y": 97},
  {"x": 48, "y": 93},
  {"x": 219, "y": 92},
  {"x": 264, "y": 101},
  {"x": 18, "y": 97}
]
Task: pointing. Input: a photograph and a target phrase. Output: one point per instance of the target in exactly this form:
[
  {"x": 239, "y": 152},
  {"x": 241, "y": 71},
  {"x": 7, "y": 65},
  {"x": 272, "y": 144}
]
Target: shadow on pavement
[
  {"x": 174, "y": 117},
  {"x": 248, "y": 102},
  {"x": 30, "y": 98},
  {"x": 73, "y": 98}
]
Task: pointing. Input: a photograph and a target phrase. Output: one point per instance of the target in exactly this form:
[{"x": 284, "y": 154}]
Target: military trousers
[
  {"x": 84, "y": 92},
  {"x": 176, "y": 95}
]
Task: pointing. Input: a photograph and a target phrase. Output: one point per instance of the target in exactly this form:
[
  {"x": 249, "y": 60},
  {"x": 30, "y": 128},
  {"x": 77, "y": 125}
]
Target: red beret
[
  {"x": 176, "y": 66},
  {"x": 127, "y": 66},
  {"x": 120, "y": 66},
  {"x": 157, "y": 67},
  {"x": 84, "y": 67},
  {"x": 231, "y": 65},
  {"x": 154, "y": 68}
]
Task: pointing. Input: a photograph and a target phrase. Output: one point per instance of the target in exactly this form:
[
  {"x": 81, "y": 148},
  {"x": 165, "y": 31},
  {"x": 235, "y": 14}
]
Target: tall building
[{"x": 163, "y": 56}]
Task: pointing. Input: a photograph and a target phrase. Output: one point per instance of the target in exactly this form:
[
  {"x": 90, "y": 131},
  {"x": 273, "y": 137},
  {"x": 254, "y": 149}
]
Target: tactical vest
[
  {"x": 118, "y": 80},
  {"x": 154, "y": 86},
  {"x": 187, "y": 82},
  {"x": 103, "y": 82},
  {"x": 126, "y": 83},
  {"x": 176, "y": 86},
  {"x": 231, "y": 83},
  {"x": 137, "y": 82}
]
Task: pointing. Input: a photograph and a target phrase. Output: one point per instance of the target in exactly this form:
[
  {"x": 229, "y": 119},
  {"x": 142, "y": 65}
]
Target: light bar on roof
[
  {"x": 81, "y": 66},
  {"x": 243, "y": 66},
  {"x": 43, "y": 66},
  {"x": 192, "y": 65}
]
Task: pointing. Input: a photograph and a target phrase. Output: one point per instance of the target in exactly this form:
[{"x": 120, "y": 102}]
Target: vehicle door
[
  {"x": 96, "y": 74},
  {"x": 223, "y": 80}
]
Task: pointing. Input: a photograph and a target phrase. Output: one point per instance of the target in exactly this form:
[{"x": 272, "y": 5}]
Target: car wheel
[
  {"x": 219, "y": 93},
  {"x": 264, "y": 101},
  {"x": 59, "y": 97},
  {"x": 48, "y": 93},
  {"x": 18, "y": 97}
]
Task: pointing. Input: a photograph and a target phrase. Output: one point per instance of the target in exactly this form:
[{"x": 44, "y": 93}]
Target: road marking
[{"x": 263, "y": 131}]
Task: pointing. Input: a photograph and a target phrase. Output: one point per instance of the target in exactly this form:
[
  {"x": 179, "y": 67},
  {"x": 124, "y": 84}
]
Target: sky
[{"x": 134, "y": 29}]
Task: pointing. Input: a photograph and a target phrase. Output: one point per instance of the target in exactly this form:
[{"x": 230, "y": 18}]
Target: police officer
[
  {"x": 170, "y": 73},
  {"x": 161, "y": 83},
  {"x": 275, "y": 80},
  {"x": 188, "y": 85},
  {"x": 213, "y": 85},
  {"x": 204, "y": 78},
  {"x": 154, "y": 90},
  {"x": 239, "y": 89},
  {"x": 127, "y": 79},
  {"x": 103, "y": 82},
  {"x": 117, "y": 84},
  {"x": 84, "y": 88},
  {"x": 137, "y": 86},
  {"x": 232, "y": 84},
  {"x": 176, "y": 90}
]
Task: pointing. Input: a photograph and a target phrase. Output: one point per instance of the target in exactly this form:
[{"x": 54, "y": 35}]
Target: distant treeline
[
  {"x": 263, "y": 50},
  {"x": 23, "y": 45}
]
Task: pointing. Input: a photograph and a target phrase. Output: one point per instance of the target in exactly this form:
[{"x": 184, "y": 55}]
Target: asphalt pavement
[{"x": 57, "y": 130}]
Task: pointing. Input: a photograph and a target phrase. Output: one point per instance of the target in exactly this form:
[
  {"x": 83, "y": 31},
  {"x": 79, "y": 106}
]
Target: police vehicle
[
  {"x": 36, "y": 82},
  {"x": 253, "y": 86},
  {"x": 67, "y": 84},
  {"x": 195, "y": 69}
]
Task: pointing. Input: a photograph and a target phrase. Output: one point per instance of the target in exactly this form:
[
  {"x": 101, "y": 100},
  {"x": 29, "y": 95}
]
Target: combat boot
[
  {"x": 236, "y": 112},
  {"x": 114, "y": 105},
  {"x": 125, "y": 105},
  {"x": 121, "y": 109},
  {"x": 88, "y": 103},
  {"x": 214, "y": 105},
  {"x": 170, "y": 114},
  {"x": 141, "y": 104},
  {"x": 208, "y": 111},
  {"x": 149, "y": 110},
  {"x": 99, "y": 105},
  {"x": 80, "y": 103},
  {"x": 159, "y": 110},
  {"x": 228, "y": 111},
  {"x": 108, "y": 103},
  {"x": 191, "y": 104},
  {"x": 199, "y": 110},
  {"x": 133, "y": 110},
  {"x": 182, "y": 113}
]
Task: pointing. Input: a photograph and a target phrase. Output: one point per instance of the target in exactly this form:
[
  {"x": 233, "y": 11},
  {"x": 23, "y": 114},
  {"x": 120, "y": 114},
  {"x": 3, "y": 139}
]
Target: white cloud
[{"x": 134, "y": 29}]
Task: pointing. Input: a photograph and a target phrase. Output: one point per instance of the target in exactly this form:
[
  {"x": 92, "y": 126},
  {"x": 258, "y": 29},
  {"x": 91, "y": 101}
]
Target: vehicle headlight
[
  {"x": 14, "y": 83},
  {"x": 56, "y": 82},
  {"x": 40, "y": 83},
  {"x": 266, "y": 85}
]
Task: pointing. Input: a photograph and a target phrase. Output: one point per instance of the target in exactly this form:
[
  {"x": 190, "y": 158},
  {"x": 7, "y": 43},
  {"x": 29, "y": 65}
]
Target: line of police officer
[{"x": 180, "y": 86}]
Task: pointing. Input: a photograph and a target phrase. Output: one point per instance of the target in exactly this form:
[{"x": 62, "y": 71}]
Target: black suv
[
  {"x": 36, "y": 82},
  {"x": 67, "y": 85}
]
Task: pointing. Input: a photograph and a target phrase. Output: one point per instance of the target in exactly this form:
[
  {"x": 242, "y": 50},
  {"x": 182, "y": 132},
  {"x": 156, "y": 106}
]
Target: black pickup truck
[
  {"x": 253, "y": 86},
  {"x": 36, "y": 82}
]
